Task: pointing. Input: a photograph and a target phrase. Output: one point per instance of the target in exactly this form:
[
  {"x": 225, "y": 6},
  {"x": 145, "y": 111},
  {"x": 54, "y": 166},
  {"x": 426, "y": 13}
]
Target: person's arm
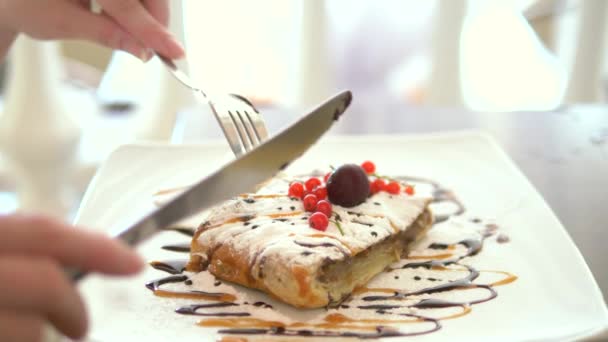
[{"x": 6, "y": 39}]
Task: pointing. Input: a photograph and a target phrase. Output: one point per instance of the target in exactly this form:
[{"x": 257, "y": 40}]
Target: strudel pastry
[{"x": 265, "y": 241}]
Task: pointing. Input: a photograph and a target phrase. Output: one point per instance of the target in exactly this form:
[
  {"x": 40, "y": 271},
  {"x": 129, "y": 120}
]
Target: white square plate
[{"x": 555, "y": 297}]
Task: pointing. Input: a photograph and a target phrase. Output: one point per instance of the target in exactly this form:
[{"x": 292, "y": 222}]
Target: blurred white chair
[
  {"x": 444, "y": 84},
  {"x": 493, "y": 60},
  {"x": 38, "y": 133},
  {"x": 312, "y": 78},
  {"x": 585, "y": 82},
  {"x": 576, "y": 32},
  {"x": 505, "y": 66},
  {"x": 541, "y": 15}
]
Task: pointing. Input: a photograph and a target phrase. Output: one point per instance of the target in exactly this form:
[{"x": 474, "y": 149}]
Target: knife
[{"x": 240, "y": 175}]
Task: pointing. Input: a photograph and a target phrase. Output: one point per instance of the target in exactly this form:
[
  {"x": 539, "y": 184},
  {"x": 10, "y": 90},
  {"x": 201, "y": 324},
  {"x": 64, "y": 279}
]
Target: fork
[{"x": 240, "y": 121}]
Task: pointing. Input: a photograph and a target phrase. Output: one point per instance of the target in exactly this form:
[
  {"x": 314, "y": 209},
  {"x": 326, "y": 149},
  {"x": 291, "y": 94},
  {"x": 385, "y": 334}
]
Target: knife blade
[{"x": 240, "y": 175}]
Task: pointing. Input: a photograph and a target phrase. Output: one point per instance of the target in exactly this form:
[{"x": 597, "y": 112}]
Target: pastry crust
[{"x": 264, "y": 241}]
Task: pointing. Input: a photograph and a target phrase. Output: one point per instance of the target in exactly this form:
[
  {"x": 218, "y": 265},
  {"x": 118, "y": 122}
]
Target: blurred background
[
  {"x": 485, "y": 56},
  {"x": 532, "y": 73},
  {"x": 491, "y": 56}
]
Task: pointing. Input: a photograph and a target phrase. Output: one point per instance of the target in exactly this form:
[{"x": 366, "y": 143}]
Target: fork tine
[
  {"x": 254, "y": 119},
  {"x": 238, "y": 124},
  {"x": 251, "y": 133},
  {"x": 252, "y": 124},
  {"x": 228, "y": 126},
  {"x": 258, "y": 125}
]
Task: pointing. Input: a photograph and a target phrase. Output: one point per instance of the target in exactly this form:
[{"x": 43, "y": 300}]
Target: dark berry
[
  {"x": 324, "y": 207},
  {"x": 296, "y": 189},
  {"x": 377, "y": 185},
  {"x": 318, "y": 221},
  {"x": 320, "y": 192},
  {"x": 312, "y": 183},
  {"x": 310, "y": 202},
  {"x": 348, "y": 186},
  {"x": 393, "y": 188},
  {"x": 368, "y": 167}
]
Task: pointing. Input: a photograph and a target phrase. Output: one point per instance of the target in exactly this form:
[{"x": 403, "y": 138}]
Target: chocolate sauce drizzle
[
  {"x": 192, "y": 310},
  {"x": 383, "y": 305},
  {"x": 170, "y": 266},
  {"x": 156, "y": 284},
  {"x": 180, "y": 248},
  {"x": 440, "y": 194},
  {"x": 342, "y": 250}
]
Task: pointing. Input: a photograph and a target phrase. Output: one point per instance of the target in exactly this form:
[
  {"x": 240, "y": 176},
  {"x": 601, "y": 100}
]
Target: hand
[
  {"x": 33, "y": 287},
  {"x": 135, "y": 26}
]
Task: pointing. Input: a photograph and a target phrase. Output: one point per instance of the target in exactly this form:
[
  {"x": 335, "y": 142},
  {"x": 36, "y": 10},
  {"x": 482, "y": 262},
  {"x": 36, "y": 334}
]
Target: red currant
[
  {"x": 393, "y": 188},
  {"x": 409, "y": 190},
  {"x": 318, "y": 221},
  {"x": 324, "y": 207},
  {"x": 369, "y": 167},
  {"x": 312, "y": 183},
  {"x": 326, "y": 177},
  {"x": 320, "y": 192},
  {"x": 310, "y": 202},
  {"x": 296, "y": 189},
  {"x": 377, "y": 185}
]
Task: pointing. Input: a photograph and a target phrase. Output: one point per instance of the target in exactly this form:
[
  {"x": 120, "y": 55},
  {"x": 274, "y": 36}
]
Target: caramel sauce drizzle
[
  {"x": 337, "y": 318},
  {"x": 232, "y": 339},
  {"x": 319, "y": 235},
  {"x": 466, "y": 309},
  {"x": 223, "y": 297},
  {"x": 363, "y": 289},
  {"x": 508, "y": 279},
  {"x": 293, "y": 213},
  {"x": 332, "y": 321},
  {"x": 430, "y": 257},
  {"x": 245, "y": 322}
]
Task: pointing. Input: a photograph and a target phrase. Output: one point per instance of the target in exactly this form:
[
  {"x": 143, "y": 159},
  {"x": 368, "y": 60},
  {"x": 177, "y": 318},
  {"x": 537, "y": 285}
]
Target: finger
[
  {"x": 17, "y": 326},
  {"x": 34, "y": 285},
  {"x": 158, "y": 9},
  {"x": 84, "y": 24},
  {"x": 84, "y": 250},
  {"x": 135, "y": 19}
]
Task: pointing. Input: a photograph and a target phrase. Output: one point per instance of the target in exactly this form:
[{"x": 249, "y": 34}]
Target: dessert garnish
[
  {"x": 348, "y": 186},
  {"x": 384, "y": 183},
  {"x": 324, "y": 207},
  {"x": 318, "y": 221},
  {"x": 369, "y": 167}
]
